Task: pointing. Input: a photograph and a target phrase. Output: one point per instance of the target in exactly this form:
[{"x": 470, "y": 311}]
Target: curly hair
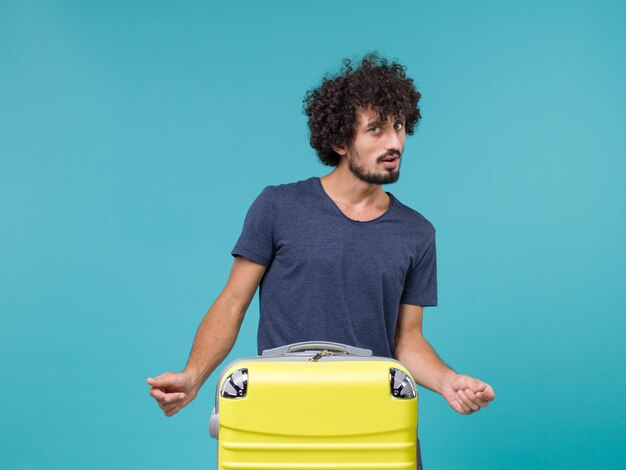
[{"x": 376, "y": 83}]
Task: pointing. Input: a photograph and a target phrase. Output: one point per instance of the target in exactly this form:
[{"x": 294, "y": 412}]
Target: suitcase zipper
[{"x": 320, "y": 354}]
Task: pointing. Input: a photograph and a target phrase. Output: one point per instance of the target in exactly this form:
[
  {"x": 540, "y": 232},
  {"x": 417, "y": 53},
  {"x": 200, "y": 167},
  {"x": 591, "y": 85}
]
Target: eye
[
  {"x": 374, "y": 130},
  {"x": 398, "y": 125}
]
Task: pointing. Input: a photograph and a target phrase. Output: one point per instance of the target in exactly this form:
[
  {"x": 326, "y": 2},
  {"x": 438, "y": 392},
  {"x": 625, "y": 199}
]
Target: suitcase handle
[{"x": 309, "y": 345}]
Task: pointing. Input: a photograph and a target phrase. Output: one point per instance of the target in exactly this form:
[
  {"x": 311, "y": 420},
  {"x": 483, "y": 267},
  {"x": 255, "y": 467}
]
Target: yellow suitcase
[{"x": 316, "y": 405}]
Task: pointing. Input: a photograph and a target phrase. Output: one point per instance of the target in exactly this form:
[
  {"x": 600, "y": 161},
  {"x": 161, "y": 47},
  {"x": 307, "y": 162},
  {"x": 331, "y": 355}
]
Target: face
[{"x": 375, "y": 154}]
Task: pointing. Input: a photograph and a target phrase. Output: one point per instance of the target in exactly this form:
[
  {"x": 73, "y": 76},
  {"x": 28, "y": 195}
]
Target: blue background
[{"x": 135, "y": 135}]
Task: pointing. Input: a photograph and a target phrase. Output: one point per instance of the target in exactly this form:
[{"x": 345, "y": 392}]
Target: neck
[{"x": 342, "y": 186}]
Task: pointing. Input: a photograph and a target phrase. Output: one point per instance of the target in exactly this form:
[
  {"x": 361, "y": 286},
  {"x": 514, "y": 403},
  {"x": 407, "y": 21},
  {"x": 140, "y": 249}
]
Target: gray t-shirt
[{"x": 330, "y": 277}]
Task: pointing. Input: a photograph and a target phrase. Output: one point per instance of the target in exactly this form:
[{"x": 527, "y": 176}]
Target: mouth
[
  {"x": 390, "y": 162},
  {"x": 391, "y": 157}
]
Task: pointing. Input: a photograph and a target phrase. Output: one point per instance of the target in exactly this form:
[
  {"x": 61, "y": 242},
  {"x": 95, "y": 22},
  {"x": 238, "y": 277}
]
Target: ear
[{"x": 340, "y": 149}]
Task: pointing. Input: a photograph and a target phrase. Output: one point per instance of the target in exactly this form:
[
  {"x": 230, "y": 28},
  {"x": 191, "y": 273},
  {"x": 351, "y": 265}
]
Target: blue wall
[{"x": 134, "y": 136}]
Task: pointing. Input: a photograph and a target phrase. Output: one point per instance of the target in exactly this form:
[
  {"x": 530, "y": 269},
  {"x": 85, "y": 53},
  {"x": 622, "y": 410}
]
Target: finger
[
  {"x": 172, "y": 412},
  {"x": 172, "y": 398},
  {"x": 463, "y": 405},
  {"x": 476, "y": 386},
  {"x": 465, "y": 381},
  {"x": 169, "y": 406},
  {"x": 465, "y": 409},
  {"x": 487, "y": 394},
  {"x": 466, "y": 401},
  {"x": 456, "y": 406},
  {"x": 158, "y": 394},
  {"x": 157, "y": 383},
  {"x": 164, "y": 398},
  {"x": 475, "y": 398},
  {"x": 481, "y": 396},
  {"x": 163, "y": 380},
  {"x": 488, "y": 397},
  {"x": 153, "y": 382},
  {"x": 171, "y": 402}
]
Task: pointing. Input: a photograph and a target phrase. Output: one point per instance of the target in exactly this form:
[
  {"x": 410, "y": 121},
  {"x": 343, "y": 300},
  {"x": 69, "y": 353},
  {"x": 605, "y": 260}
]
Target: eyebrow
[
  {"x": 380, "y": 122},
  {"x": 377, "y": 123}
]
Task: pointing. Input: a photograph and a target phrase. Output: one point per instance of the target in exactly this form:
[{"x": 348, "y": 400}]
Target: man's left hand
[{"x": 466, "y": 395}]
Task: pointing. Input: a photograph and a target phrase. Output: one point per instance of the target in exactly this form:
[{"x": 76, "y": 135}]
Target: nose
[{"x": 393, "y": 141}]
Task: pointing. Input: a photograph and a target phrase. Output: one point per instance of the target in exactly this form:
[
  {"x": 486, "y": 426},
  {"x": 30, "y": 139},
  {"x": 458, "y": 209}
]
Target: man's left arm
[{"x": 463, "y": 393}]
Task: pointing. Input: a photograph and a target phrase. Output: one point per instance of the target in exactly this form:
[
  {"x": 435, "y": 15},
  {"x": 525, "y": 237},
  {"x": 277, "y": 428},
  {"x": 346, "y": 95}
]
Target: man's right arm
[{"x": 214, "y": 339}]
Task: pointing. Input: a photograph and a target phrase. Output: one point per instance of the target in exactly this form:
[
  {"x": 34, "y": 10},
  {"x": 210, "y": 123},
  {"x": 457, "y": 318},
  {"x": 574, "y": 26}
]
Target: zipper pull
[{"x": 320, "y": 354}]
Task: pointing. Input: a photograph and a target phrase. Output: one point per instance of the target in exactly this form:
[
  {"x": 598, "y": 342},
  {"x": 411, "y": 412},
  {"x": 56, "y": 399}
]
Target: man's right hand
[
  {"x": 173, "y": 391},
  {"x": 214, "y": 339}
]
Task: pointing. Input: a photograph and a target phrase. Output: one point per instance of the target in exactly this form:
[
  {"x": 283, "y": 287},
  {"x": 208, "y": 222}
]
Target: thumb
[
  {"x": 465, "y": 381},
  {"x": 162, "y": 380},
  {"x": 476, "y": 385}
]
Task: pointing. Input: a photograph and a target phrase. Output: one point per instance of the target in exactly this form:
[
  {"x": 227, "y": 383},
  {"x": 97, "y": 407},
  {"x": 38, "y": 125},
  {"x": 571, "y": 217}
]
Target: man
[{"x": 337, "y": 258}]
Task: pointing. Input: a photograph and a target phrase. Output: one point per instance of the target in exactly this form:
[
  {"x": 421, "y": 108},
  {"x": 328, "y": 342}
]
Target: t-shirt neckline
[{"x": 333, "y": 204}]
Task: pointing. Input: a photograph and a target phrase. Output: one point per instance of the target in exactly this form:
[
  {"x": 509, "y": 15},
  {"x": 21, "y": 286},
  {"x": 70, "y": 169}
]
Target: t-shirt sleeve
[
  {"x": 420, "y": 286},
  {"x": 256, "y": 241}
]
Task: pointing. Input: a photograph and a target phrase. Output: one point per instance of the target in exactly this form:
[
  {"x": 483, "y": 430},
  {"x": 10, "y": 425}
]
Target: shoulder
[
  {"x": 288, "y": 192},
  {"x": 413, "y": 219}
]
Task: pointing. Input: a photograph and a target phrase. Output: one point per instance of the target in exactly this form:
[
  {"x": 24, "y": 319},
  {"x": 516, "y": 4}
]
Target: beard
[{"x": 385, "y": 176}]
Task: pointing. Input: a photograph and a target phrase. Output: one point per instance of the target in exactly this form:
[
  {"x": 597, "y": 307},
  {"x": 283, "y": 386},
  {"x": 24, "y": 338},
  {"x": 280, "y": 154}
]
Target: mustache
[{"x": 390, "y": 153}]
